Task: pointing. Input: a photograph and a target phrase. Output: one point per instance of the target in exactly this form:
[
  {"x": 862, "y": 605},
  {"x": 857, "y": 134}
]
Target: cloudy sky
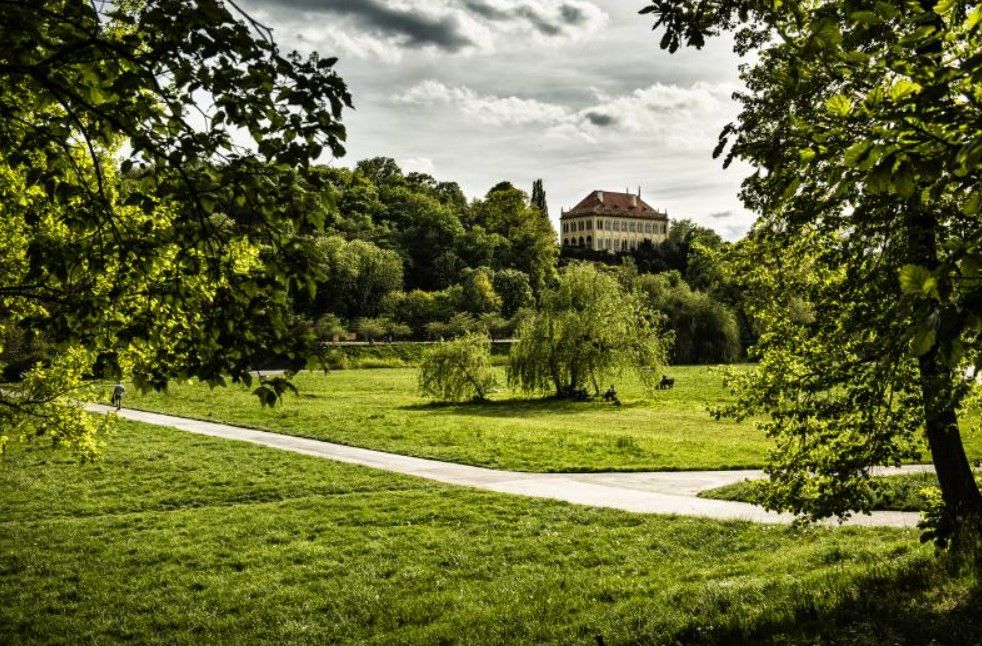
[{"x": 576, "y": 92}]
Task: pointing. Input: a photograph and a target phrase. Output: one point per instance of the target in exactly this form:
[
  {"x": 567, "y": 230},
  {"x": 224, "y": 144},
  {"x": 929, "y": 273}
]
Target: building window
[
  {"x": 589, "y": 241},
  {"x": 600, "y": 225},
  {"x": 565, "y": 242},
  {"x": 581, "y": 241},
  {"x": 589, "y": 225},
  {"x": 623, "y": 245},
  {"x": 647, "y": 227}
]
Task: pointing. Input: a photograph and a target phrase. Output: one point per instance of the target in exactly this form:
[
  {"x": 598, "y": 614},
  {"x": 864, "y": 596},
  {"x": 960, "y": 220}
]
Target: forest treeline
[{"x": 405, "y": 256}]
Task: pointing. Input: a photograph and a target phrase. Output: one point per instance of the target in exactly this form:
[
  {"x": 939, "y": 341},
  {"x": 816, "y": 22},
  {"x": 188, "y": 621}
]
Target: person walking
[{"x": 117, "y": 398}]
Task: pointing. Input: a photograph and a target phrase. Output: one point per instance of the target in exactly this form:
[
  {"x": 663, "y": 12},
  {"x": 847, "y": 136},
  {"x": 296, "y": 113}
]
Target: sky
[{"x": 575, "y": 92}]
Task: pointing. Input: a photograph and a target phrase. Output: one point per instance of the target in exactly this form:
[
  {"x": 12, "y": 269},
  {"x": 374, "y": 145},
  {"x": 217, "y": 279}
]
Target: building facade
[{"x": 609, "y": 221}]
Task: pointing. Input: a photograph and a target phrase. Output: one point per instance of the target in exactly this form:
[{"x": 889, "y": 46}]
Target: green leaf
[
  {"x": 918, "y": 281},
  {"x": 903, "y": 181},
  {"x": 944, "y": 7},
  {"x": 856, "y": 153},
  {"x": 864, "y": 17},
  {"x": 839, "y": 105},
  {"x": 970, "y": 269},
  {"x": 923, "y": 341},
  {"x": 904, "y": 88},
  {"x": 972, "y": 204}
]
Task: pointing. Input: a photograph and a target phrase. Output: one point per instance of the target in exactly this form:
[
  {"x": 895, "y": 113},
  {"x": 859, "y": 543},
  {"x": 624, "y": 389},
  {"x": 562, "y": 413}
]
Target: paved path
[{"x": 662, "y": 492}]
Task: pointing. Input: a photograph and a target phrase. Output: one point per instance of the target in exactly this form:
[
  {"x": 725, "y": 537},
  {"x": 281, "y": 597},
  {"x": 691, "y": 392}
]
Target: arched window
[
  {"x": 581, "y": 241},
  {"x": 565, "y": 242},
  {"x": 589, "y": 241},
  {"x": 623, "y": 245}
]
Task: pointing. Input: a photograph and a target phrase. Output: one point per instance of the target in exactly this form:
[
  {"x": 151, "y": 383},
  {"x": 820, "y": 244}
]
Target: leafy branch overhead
[{"x": 154, "y": 167}]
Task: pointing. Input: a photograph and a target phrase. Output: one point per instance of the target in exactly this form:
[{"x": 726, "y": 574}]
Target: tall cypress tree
[{"x": 539, "y": 198}]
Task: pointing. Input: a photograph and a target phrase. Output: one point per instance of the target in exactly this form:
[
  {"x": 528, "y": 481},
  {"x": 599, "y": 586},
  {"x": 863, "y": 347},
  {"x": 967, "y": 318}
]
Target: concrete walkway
[{"x": 661, "y": 492}]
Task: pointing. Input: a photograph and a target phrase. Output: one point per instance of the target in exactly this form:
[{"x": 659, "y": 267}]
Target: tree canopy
[
  {"x": 153, "y": 183},
  {"x": 863, "y": 122},
  {"x": 587, "y": 330}
]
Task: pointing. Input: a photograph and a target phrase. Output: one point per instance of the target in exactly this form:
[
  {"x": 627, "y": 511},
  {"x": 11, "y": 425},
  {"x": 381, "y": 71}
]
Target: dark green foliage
[
  {"x": 433, "y": 229},
  {"x": 455, "y": 256},
  {"x": 705, "y": 330},
  {"x": 538, "y": 199},
  {"x": 513, "y": 287},
  {"x": 357, "y": 276},
  {"x": 479, "y": 294}
]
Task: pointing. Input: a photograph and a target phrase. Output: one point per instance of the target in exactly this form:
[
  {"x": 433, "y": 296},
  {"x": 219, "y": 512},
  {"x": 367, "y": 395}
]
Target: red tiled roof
[{"x": 611, "y": 203}]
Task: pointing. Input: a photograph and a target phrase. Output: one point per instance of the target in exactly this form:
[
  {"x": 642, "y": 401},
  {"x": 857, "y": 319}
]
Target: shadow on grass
[
  {"x": 921, "y": 604},
  {"x": 518, "y": 407}
]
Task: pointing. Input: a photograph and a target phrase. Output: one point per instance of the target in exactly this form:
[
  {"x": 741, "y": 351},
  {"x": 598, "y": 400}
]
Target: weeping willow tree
[
  {"x": 588, "y": 330},
  {"x": 458, "y": 370}
]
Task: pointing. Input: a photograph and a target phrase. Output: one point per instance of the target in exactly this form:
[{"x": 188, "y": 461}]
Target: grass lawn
[
  {"x": 381, "y": 409},
  {"x": 896, "y": 493},
  {"x": 176, "y": 538}
]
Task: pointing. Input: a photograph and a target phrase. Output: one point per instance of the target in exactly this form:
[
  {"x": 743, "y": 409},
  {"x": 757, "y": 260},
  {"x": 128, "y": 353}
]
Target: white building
[{"x": 608, "y": 221}]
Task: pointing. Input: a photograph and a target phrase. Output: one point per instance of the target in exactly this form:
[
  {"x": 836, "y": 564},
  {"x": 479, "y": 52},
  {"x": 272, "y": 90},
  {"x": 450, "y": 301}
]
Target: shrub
[{"x": 457, "y": 370}]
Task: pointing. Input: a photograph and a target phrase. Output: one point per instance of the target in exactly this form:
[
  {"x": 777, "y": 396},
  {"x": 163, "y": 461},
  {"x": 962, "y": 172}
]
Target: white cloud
[
  {"x": 490, "y": 110},
  {"x": 417, "y": 165},
  {"x": 675, "y": 116}
]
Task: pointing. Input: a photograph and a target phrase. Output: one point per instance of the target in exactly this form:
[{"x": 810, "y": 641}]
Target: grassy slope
[
  {"x": 381, "y": 409},
  {"x": 177, "y": 538}
]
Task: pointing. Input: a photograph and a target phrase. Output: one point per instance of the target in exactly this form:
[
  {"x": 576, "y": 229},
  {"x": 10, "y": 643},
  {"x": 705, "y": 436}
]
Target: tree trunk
[{"x": 959, "y": 490}]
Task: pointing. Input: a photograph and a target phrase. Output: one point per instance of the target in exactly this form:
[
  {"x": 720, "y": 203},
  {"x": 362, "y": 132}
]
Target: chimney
[
  {"x": 634, "y": 201},
  {"x": 639, "y": 191},
  {"x": 600, "y": 196}
]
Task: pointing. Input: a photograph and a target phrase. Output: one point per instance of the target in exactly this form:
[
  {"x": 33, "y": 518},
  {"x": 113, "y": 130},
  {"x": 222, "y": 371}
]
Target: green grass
[
  {"x": 175, "y": 538},
  {"x": 381, "y": 409}
]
